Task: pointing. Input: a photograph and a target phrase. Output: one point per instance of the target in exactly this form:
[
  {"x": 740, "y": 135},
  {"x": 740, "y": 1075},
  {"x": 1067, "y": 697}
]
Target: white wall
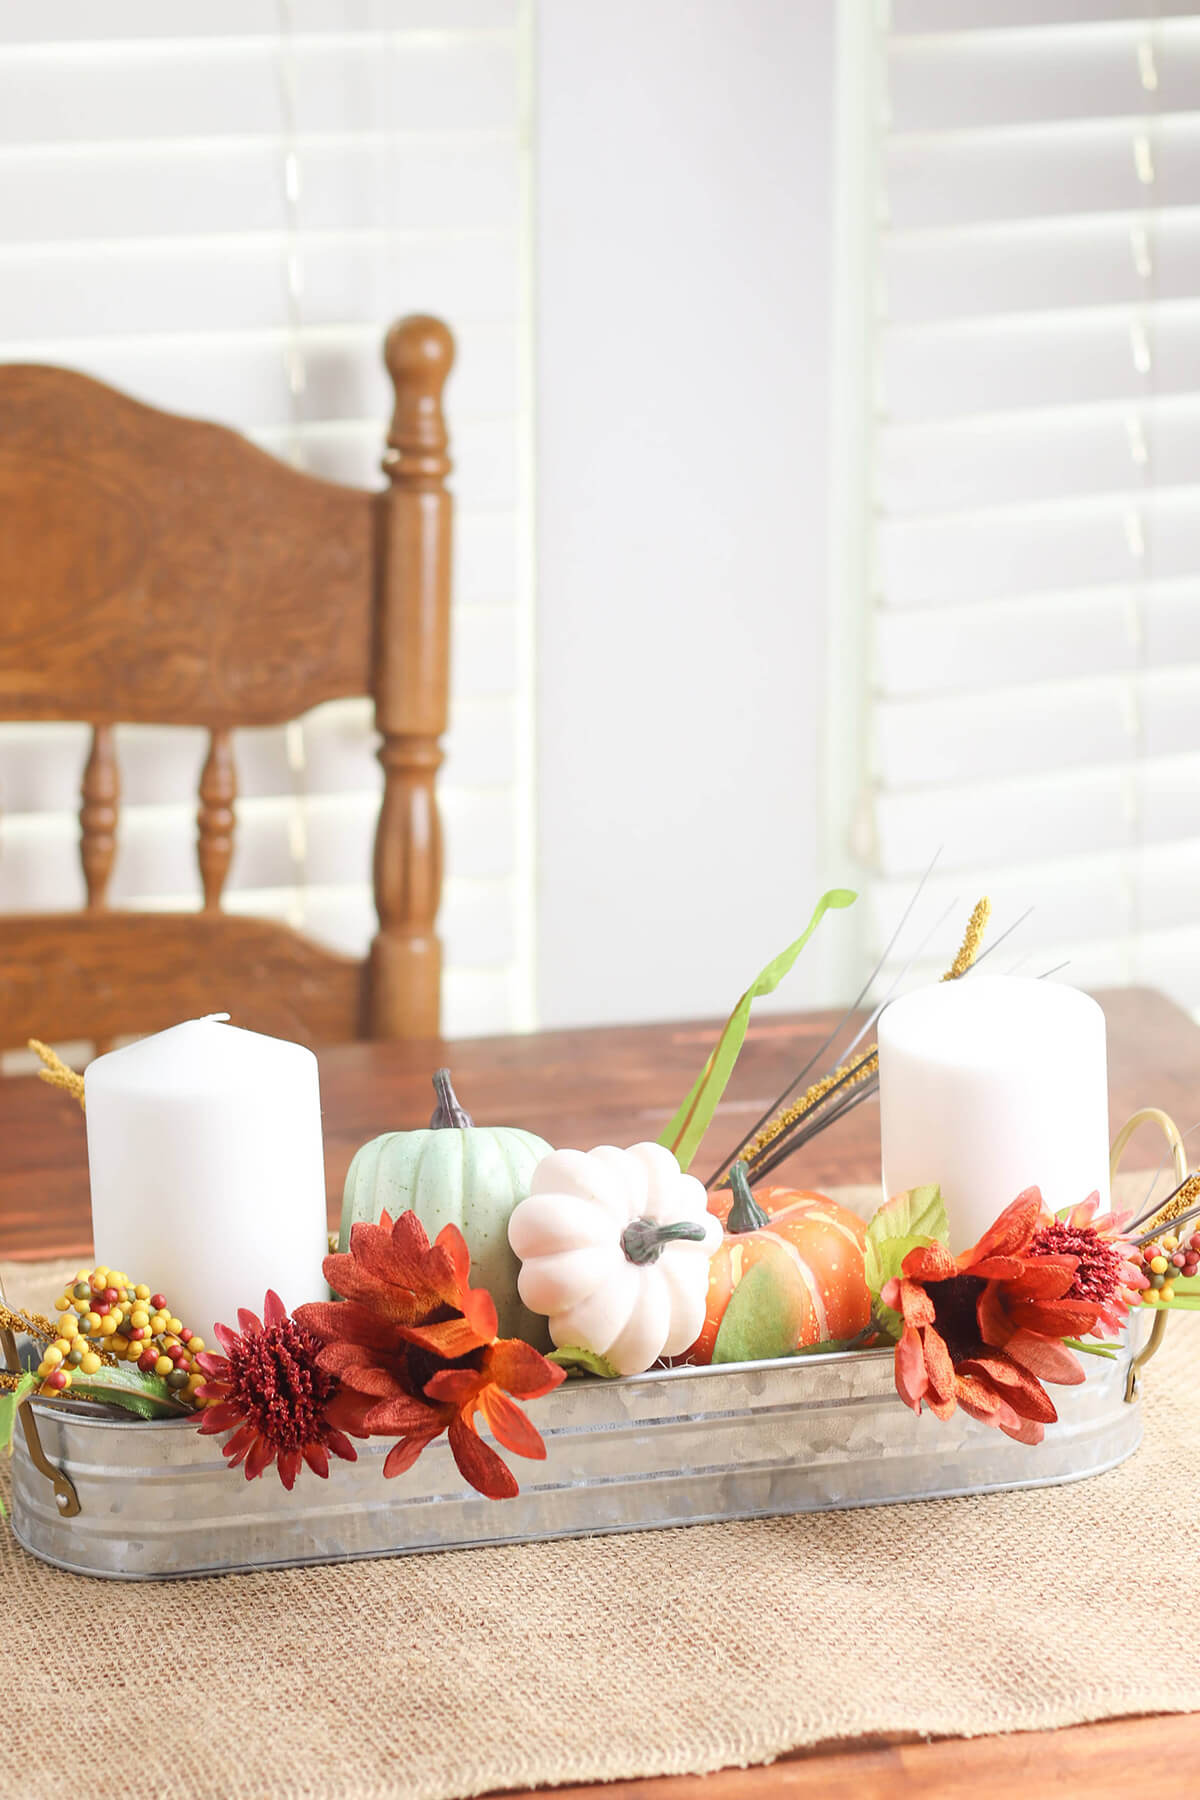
[{"x": 683, "y": 157}]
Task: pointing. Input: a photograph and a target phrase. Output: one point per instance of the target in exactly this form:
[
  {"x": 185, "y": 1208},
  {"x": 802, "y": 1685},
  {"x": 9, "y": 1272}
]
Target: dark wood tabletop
[
  {"x": 609, "y": 1084},
  {"x": 620, "y": 1084}
]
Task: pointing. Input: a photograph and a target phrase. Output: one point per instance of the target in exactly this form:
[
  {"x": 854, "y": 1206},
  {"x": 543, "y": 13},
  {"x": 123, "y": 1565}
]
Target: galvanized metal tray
[{"x": 674, "y": 1447}]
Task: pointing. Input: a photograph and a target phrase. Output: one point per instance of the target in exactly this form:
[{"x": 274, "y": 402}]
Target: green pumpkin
[{"x": 455, "y": 1173}]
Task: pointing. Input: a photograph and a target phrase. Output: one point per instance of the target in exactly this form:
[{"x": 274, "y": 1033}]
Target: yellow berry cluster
[
  {"x": 1163, "y": 1262},
  {"x": 104, "y": 1312}
]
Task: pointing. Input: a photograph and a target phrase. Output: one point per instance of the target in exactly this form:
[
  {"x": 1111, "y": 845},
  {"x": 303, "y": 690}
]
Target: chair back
[{"x": 157, "y": 569}]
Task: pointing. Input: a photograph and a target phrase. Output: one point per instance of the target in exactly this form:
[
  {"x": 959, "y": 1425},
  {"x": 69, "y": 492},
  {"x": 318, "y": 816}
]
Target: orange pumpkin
[{"x": 823, "y": 1242}]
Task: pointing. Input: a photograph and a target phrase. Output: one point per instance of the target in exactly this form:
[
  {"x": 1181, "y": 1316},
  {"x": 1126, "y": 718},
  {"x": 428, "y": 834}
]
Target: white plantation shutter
[
  {"x": 218, "y": 206},
  {"x": 1034, "y": 703}
]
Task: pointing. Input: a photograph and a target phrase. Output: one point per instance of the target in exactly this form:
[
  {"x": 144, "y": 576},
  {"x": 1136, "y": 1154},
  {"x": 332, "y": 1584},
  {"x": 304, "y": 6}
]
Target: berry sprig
[
  {"x": 104, "y": 1317},
  {"x": 1163, "y": 1260}
]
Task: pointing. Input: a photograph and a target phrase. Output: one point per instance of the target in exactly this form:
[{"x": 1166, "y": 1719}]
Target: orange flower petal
[
  {"x": 450, "y": 1338},
  {"x": 995, "y": 1326},
  {"x": 1023, "y": 1392},
  {"x": 1045, "y": 1358},
  {"x": 912, "y": 1377},
  {"x": 455, "y": 1387},
  {"x": 451, "y": 1240},
  {"x": 1045, "y": 1278},
  {"x": 509, "y": 1425},
  {"x": 929, "y": 1262},
  {"x": 1055, "y": 1318},
  {"x": 406, "y": 1415},
  {"x": 479, "y": 1464},
  {"x": 977, "y": 1397},
  {"x": 999, "y": 1268},
  {"x": 1011, "y": 1232},
  {"x": 350, "y": 1322},
  {"x": 938, "y": 1366},
  {"x": 403, "y": 1455},
  {"x": 913, "y": 1303},
  {"x": 521, "y": 1369}
]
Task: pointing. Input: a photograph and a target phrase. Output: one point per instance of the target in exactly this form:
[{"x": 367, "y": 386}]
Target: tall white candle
[
  {"x": 989, "y": 1085},
  {"x": 207, "y": 1173}
]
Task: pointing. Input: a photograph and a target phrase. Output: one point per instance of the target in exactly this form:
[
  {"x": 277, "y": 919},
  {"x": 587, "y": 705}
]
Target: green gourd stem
[
  {"x": 448, "y": 1115},
  {"x": 745, "y": 1214},
  {"x": 643, "y": 1241}
]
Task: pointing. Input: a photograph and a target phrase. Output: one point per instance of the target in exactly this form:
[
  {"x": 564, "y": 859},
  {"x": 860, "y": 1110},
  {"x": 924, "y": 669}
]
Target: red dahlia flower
[
  {"x": 1106, "y": 1275},
  {"x": 982, "y": 1330},
  {"x": 287, "y": 1410},
  {"x": 418, "y": 1347}
]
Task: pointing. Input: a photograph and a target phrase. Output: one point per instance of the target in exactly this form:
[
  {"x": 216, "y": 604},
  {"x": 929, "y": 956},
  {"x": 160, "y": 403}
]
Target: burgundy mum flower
[
  {"x": 287, "y": 1409},
  {"x": 1106, "y": 1275}
]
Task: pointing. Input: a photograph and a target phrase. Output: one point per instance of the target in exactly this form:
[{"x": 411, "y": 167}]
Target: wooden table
[{"x": 619, "y": 1085}]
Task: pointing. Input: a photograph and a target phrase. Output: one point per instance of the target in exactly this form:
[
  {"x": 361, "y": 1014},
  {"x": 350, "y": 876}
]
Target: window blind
[
  {"x": 219, "y": 206},
  {"x": 1034, "y": 479}
]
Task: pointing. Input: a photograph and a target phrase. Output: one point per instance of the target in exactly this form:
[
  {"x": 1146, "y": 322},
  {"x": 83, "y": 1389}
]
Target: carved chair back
[{"x": 156, "y": 569}]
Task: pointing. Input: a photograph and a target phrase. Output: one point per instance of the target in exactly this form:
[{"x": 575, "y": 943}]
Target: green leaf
[
  {"x": 578, "y": 1361},
  {"x": 1109, "y": 1350},
  {"x": 9, "y": 1404},
  {"x": 147, "y": 1395},
  {"x": 765, "y": 1315},
  {"x": 908, "y": 1221},
  {"x": 1181, "y": 1303},
  {"x": 686, "y": 1130}
]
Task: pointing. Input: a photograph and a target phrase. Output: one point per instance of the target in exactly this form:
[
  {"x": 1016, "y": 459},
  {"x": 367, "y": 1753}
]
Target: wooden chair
[{"x": 159, "y": 569}]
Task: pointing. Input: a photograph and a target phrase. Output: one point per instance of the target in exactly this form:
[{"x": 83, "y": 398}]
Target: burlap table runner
[{"x": 665, "y": 1652}]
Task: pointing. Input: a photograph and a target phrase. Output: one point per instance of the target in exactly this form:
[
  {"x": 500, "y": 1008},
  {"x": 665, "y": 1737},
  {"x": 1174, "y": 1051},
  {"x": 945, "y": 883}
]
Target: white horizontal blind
[
  {"x": 218, "y": 206},
  {"x": 1035, "y": 478}
]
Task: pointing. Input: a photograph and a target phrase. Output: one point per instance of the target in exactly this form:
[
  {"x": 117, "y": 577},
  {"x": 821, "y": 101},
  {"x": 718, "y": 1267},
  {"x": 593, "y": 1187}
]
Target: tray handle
[
  {"x": 1148, "y": 1115},
  {"x": 64, "y": 1487}
]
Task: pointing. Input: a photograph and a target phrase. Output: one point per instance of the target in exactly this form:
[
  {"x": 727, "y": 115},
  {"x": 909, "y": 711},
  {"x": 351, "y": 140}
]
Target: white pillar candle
[
  {"x": 989, "y": 1085},
  {"x": 207, "y": 1172}
]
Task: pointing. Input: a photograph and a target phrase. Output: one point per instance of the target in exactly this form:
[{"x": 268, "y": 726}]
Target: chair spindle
[
  {"x": 215, "y": 818},
  {"x": 411, "y": 685},
  {"x": 101, "y": 790}
]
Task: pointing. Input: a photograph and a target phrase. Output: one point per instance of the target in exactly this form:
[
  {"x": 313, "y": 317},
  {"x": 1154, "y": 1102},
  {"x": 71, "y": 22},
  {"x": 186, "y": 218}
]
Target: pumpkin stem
[
  {"x": 643, "y": 1240},
  {"x": 448, "y": 1115},
  {"x": 745, "y": 1214}
]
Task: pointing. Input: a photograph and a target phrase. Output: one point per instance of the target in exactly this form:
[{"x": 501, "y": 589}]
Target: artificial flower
[
  {"x": 1106, "y": 1276},
  {"x": 286, "y": 1409},
  {"x": 418, "y": 1346},
  {"x": 982, "y": 1330}
]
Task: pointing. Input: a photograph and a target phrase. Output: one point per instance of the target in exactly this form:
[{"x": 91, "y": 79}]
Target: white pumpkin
[
  {"x": 614, "y": 1248},
  {"x": 454, "y": 1173}
]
